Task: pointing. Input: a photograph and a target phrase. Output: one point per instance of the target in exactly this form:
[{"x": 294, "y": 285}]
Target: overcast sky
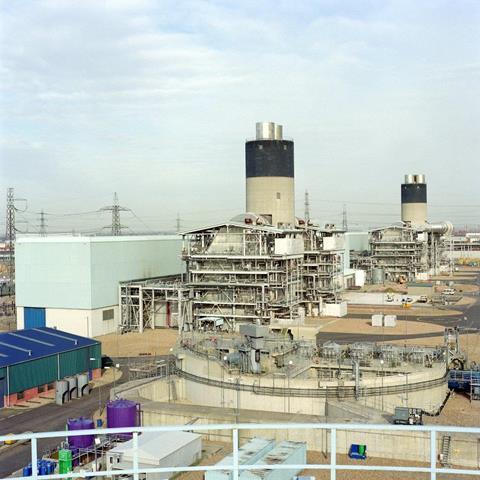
[{"x": 154, "y": 100}]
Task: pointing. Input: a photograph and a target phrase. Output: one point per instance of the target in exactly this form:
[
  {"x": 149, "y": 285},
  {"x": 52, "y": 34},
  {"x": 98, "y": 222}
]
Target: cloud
[{"x": 154, "y": 99}]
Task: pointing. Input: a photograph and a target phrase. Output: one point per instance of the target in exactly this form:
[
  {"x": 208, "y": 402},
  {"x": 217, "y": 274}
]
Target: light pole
[
  {"x": 223, "y": 379},
  {"x": 406, "y": 393},
  {"x": 117, "y": 366},
  {"x": 92, "y": 359},
  {"x": 381, "y": 363},
  {"x": 168, "y": 374},
  {"x": 290, "y": 363},
  {"x": 466, "y": 331}
]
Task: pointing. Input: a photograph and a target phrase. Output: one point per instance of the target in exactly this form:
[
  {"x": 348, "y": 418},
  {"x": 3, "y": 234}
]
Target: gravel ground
[
  {"x": 458, "y": 411},
  {"x": 409, "y": 312},
  {"x": 153, "y": 342},
  {"x": 363, "y": 325}
]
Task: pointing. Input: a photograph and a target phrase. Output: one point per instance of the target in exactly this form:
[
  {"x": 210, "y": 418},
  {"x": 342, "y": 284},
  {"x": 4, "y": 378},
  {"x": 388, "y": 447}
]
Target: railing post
[
  {"x": 433, "y": 455},
  {"x": 135, "y": 455},
  {"x": 333, "y": 454},
  {"x": 33, "y": 446},
  {"x": 235, "y": 453}
]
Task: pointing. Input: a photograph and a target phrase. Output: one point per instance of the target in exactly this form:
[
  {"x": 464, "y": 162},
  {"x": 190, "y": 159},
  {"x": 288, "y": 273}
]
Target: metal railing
[{"x": 236, "y": 468}]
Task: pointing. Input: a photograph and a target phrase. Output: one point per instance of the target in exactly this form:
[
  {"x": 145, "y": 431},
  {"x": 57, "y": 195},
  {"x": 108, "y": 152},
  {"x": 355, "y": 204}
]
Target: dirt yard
[
  {"x": 402, "y": 312},
  {"x": 153, "y": 342},
  {"x": 363, "y": 325},
  {"x": 458, "y": 411}
]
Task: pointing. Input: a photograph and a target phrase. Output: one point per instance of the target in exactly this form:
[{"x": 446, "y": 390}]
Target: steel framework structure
[
  {"x": 242, "y": 272},
  {"x": 141, "y": 300}
]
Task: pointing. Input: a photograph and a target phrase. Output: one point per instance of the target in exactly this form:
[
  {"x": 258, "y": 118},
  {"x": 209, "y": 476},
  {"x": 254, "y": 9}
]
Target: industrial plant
[{"x": 250, "y": 298}]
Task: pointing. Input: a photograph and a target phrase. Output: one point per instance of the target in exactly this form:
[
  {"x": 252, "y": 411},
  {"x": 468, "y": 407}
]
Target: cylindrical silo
[
  {"x": 81, "y": 423},
  {"x": 414, "y": 200},
  {"x": 122, "y": 413},
  {"x": 269, "y": 162}
]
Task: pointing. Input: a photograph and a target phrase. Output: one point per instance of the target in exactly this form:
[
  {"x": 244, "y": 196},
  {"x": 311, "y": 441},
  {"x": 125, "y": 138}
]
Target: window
[
  {"x": 260, "y": 147},
  {"x": 19, "y": 395},
  {"x": 278, "y": 195},
  {"x": 108, "y": 314},
  {"x": 284, "y": 147}
]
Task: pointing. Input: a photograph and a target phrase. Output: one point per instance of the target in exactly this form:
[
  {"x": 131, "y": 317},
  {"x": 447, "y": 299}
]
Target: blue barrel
[
  {"x": 26, "y": 472},
  {"x": 99, "y": 422}
]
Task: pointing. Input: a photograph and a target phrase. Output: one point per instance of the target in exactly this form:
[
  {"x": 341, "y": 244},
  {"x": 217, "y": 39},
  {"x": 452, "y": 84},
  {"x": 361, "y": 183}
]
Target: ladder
[{"x": 445, "y": 453}]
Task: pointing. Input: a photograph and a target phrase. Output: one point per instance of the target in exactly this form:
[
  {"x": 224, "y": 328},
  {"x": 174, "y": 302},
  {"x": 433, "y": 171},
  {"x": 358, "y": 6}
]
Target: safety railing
[{"x": 236, "y": 467}]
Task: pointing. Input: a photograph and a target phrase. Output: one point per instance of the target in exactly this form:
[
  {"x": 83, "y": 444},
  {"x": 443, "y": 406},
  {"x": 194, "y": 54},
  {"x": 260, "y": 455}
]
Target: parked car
[
  {"x": 107, "y": 361},
  {"x": 422, "y": 299},
  {"x": 449, "y": 291}
]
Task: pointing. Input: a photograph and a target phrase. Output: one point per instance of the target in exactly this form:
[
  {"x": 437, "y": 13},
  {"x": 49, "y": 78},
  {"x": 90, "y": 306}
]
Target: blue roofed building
[{"x": 32, "y": 360}]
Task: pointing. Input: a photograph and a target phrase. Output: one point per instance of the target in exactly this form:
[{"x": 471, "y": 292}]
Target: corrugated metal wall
[
  {"x": 78, "y": 361},
  {"x": 31, "y": 374},
  {"x": 45, "y": 370}
]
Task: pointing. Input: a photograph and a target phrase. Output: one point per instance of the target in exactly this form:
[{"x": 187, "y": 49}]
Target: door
[{"x": 34, "y": 317}]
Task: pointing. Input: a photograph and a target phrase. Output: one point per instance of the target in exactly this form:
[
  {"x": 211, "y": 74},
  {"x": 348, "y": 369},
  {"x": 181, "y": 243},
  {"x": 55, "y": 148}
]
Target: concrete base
[{"x": 398, "y": 445}]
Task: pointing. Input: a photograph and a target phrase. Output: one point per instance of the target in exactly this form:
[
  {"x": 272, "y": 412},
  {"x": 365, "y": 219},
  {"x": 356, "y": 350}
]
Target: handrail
[{"x": 235, "y": 467}]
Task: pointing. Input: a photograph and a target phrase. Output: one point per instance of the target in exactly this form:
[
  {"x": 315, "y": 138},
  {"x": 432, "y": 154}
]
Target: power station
[{"x": 264, "y": 266}]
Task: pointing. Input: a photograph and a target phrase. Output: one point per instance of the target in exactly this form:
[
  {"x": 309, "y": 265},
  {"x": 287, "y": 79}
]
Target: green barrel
[
  {"x": 64, "y": 461},
  {"x": 361, "y": 449}
]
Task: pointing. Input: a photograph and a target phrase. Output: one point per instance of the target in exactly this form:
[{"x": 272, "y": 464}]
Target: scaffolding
[
  {"x": 147, "y": 303},
  {"x": 322, "y": 267},
  {"x": 401, "y": 251},
  {"x": 407, "y": 253},
  {"x": 241, "y": 272}
]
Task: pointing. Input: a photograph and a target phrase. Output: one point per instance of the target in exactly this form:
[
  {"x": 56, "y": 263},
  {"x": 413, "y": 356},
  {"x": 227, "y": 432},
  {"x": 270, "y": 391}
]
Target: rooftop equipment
[{"x": 248, "y": 454}]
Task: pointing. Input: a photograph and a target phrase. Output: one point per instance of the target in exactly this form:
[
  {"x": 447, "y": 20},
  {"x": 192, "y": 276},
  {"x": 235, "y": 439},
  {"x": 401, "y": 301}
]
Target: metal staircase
[{"x": 445, "y": 451}]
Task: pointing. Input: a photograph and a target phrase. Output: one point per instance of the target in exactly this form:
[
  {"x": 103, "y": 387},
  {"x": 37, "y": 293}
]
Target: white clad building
[{"x": 71, "y": 282}]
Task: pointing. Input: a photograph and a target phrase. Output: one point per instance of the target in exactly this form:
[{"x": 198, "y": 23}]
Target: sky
[{"x": 154, "y": 100}]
